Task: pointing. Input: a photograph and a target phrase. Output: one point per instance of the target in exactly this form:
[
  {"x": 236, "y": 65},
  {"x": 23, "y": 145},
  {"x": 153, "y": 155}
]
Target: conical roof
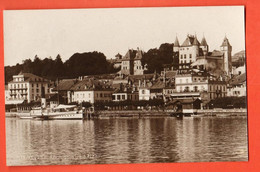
[
  {"x": 195, "y": 42},
  {"x": 176, "y": 42},
  {"x": 203, "y": 42},
  {"x": 225, "y": 42}
]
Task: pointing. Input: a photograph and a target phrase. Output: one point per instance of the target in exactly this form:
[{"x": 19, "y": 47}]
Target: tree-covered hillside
[{"x": 90, "y": 63}]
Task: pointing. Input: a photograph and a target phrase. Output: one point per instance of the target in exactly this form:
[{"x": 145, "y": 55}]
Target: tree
[{"x": 156, "y": 58}]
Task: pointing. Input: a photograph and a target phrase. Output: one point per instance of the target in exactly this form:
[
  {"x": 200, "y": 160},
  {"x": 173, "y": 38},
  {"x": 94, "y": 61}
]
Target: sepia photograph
[{"x": 125, "y": 85}]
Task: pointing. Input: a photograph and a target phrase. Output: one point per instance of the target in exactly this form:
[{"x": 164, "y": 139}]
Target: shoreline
[{"x": 155, "y": 113}]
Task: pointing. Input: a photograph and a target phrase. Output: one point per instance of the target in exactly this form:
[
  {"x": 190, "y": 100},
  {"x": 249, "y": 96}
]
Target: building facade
[
  {"x": 197, "y": 85},
  {"x": 91, "y": 91},
  {"x": 194, "y": 53},
  {"x": 131, "y": 63},
  {"x": 28, "y": 87}
]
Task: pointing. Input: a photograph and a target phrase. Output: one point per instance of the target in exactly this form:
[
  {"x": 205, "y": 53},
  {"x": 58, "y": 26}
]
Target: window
[
  {"x": 187, "y": 89},
  {"x": 181, "y": 56},
  {"x": 190, "y": 55},
  {"x": 118, "y": 97},
  {"x": 143, "y": 91},
  {"x": 184, "y": 56},
  {"x": 123, "y": 97},
  {"x": 195, "y": 88}
]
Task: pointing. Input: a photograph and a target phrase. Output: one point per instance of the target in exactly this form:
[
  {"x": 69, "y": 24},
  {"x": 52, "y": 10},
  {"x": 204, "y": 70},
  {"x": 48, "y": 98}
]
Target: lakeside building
[
  {"x": 199, "y": 85},
  {"x": 91, "y": 91},
  {"x": 62, "y": 88},
  {"x": 125, "y": 95},
  {"x": 7, "y": 93},
  {"x": 27, "y": 87},
  {"x": 237, "y": 86}
]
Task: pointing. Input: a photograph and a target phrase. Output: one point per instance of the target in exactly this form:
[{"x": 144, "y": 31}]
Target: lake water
[{"x": 126, "y": 140}]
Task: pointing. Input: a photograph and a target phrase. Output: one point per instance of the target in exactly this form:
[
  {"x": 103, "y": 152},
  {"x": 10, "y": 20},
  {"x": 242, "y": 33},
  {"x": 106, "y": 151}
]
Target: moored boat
[{"x": 60, "y": 112}]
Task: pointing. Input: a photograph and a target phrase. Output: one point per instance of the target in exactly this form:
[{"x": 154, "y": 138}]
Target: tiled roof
[
  {"x": 90, "y": 84},
  {"x": 237, "y": 80},
  {"x": 141, "y": 77},
  {"x": 158, "y": 85},
  {"x": 190, "y": 40},
  {"x": 65, "y": 85},
  {"x": 29, "y": 77},
  {"x": 170, "y": 74},
  {"x": 133, "y": 54}
]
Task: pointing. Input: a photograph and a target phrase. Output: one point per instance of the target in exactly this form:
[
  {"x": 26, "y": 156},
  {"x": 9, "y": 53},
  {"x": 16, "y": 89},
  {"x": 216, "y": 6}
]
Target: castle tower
[
  {"x": 226, "y": 48},
  {"x": 196, "y": 45},
  {"x": 176, "y": 45},
  {"x": 204, "y": 46}
]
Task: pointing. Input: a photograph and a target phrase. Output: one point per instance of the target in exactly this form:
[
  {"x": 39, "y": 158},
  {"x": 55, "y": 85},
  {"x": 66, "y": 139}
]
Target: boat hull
[{"x": 61, "y": 115}]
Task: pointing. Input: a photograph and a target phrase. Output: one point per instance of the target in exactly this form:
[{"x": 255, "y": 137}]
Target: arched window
[{"x": 195, "y": 88}]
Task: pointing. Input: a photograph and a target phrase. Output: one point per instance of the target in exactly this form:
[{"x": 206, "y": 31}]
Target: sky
[{"x": 46, "y": 33}]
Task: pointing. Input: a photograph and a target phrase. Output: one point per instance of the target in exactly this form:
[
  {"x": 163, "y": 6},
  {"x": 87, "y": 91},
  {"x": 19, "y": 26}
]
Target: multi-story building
[
  {"x": 195, "y": 84},
  {"x": 28, "y": 87},
  {"x": 91, "y": 91},
  {"x": 125, "y": 95},
  {"x": 131, "y": 63},
  {"x": 237, "y": 86}
]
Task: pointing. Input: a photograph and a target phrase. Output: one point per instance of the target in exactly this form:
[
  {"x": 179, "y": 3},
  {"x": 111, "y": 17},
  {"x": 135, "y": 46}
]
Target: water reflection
[{"x": 146, "y": 140}]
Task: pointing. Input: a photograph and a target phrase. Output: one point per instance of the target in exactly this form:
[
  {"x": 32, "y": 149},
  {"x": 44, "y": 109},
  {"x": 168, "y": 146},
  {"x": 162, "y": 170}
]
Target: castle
[{"x": 195, "y": 54}]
